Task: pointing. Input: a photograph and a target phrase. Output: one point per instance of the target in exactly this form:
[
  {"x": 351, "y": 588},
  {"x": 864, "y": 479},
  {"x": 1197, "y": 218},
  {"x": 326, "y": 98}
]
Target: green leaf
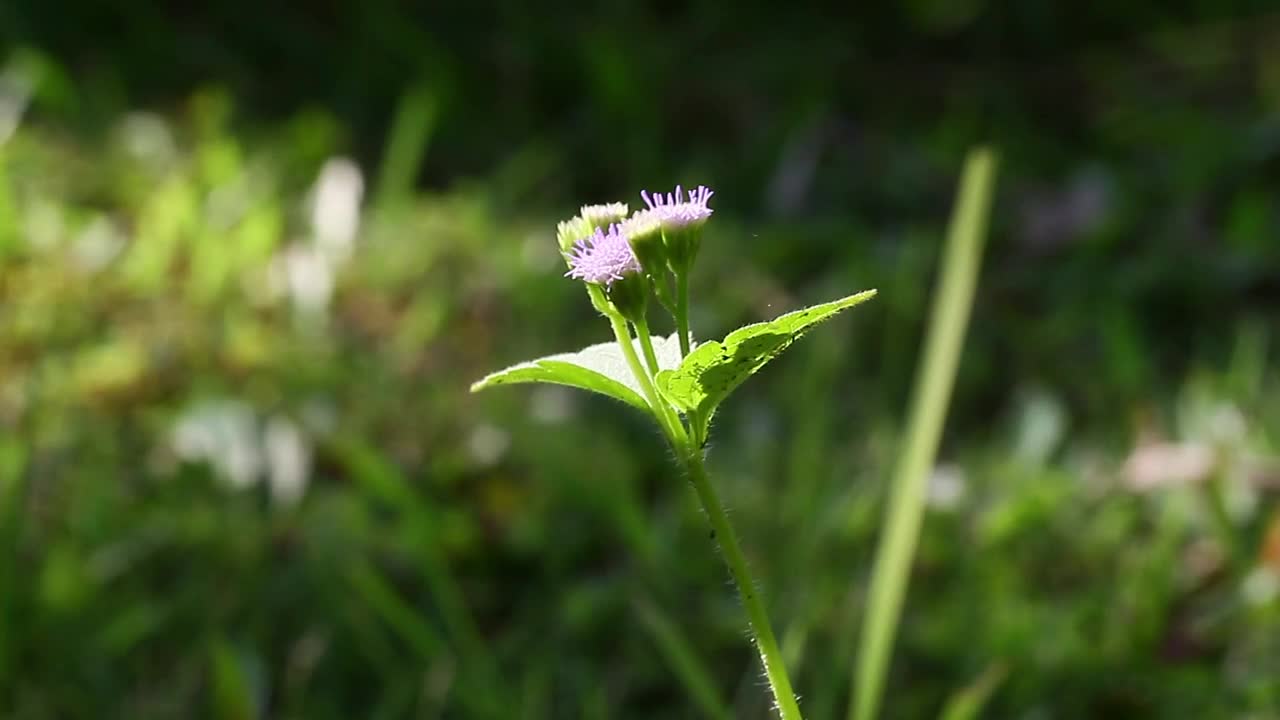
[
  {"x": 599, "y": 368},
  {"x": 715, "y": 369}
]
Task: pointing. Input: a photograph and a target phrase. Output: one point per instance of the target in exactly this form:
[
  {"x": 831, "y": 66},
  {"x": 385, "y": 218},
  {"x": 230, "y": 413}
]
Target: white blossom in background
[
  {"x": 147, "y": 136},
  {"x": 335, "y": 208},
  {"x": 288, "y": 456},
  {"x": 1042, "y": 424},
  {"x": 243, "y": 450},
  {"x": 306, "y": 270},
  {"x": 306, "y": 276},
  {"x": 97, "y": 244},
  {"x": 947, "y": 488},
  {"x": 488, "y": 444},
  {"x": 551, "y": 404},
  {"x": 1160, "y": 465},
  {"x": 225, "y": 435}
]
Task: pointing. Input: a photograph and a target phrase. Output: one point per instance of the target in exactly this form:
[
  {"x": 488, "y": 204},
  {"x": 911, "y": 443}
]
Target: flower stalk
[
  {"x": 689, "y": 450},
  {"x": 775, "y": 670},
  {"x": 682, "y": 311}
]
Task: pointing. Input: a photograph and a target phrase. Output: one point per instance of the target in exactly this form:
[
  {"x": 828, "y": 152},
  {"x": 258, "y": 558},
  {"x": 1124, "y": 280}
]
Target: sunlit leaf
[
  {"x": 712, "y": 371},
  {"x": 598, "y": 368}
]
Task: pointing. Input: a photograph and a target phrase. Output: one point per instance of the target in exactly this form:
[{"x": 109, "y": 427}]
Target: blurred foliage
[{"x": 240, "y": 475}]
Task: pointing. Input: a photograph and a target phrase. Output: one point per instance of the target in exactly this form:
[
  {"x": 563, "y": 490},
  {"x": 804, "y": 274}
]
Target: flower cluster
[{"x": 602, "y": 244}]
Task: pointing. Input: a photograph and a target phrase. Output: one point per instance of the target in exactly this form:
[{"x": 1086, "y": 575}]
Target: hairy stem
[
  {"x": 757, "y": 616},
  {"x": 770, "y": 655}
]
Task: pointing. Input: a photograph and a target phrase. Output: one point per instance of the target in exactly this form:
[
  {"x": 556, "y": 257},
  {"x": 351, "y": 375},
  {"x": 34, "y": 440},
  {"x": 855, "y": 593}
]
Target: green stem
[
  {"x": 661, "y": 410},
  {"x": 758, "y": 618},
  {"x": 770, "y": 655},
  {"x": 682, "y": 311},
  {"x": 646, "y": 345},
  {"x": 663, "y": 407},
  {"x": 663, "y": 294},
  {"x": 950, "y": 316}
]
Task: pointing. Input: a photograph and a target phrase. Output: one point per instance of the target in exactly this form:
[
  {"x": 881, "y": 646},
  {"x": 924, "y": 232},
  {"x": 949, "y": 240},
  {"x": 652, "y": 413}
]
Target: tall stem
[
  {"x": 682, "y": 311},
  {"x": 770, "y": 655},
  {"x": 757, "y": 616}
]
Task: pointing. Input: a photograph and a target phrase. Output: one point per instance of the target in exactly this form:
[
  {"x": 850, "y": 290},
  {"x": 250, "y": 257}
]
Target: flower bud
[
  {"x": 630, "y": 295},
  {"x": 643, "y": 231},
  {"x": 572, "y": 231},
  {"x": 602, "y": 216},
  {"x": 682, "y": 220}
]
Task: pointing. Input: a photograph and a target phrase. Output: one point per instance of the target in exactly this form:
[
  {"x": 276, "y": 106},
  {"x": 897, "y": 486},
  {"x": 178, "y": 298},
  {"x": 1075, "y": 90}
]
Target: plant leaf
[
  {"x": 715, "y": 369},
  {"x": 598, "y": 368}
]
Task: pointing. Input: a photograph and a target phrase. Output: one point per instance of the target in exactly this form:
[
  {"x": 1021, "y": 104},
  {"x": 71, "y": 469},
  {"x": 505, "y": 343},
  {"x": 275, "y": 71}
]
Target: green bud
[
  {"x": 682, "y": 244},
  {"x": 571, "y": 231},
  {"x": 630, "y": 296},
  {"x": 644, "y": 233}
]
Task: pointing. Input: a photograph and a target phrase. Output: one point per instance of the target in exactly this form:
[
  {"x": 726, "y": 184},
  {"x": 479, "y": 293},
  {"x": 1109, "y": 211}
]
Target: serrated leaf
[
  {"x": 599, "y": 368},
  {"x": 714, "y": 370}
]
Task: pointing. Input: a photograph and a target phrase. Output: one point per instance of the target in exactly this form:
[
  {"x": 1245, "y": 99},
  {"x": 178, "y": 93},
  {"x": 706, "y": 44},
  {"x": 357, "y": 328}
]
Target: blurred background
[{"x": 253, "y": 254}]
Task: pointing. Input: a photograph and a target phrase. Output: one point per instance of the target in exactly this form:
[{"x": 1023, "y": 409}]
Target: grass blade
[
  {"x": 968, "y": 702},
  {"x": 679, "y": 654},
  {"x": 406, "y": 149},
  {"x": 935, "y": 377}
]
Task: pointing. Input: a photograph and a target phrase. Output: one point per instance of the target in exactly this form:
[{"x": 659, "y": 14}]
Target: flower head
[
  {"x": 603, "y": 258},
  {"x": 602, "y": 216},
  {"x": 681, "y": 218},
  {"x": 571, "y": 232},
  {"x": 673, "y": 210},
  {"x": 641, "y": 224},
  {"x": 643, "y": 230}
]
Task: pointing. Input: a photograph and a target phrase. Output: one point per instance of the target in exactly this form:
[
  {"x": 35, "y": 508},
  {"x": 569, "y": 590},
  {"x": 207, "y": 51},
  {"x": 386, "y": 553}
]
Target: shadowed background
[{"x": 252, "y": 255}]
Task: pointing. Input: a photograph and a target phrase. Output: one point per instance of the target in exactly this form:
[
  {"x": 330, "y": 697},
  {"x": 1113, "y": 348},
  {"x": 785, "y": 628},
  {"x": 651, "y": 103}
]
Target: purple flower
[
  {"x": 602, "y": 257},
  {"x": 674, "y": 211}
]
